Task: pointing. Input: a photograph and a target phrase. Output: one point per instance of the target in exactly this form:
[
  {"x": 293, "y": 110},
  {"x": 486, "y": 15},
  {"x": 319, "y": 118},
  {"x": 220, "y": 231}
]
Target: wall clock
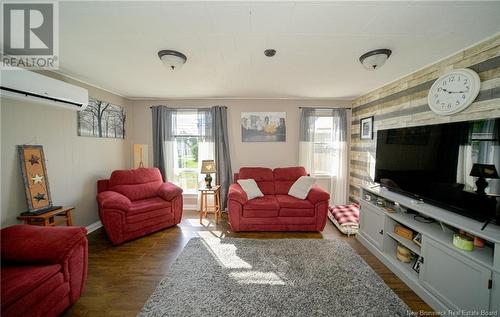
[{"x": 454, "y": 91}]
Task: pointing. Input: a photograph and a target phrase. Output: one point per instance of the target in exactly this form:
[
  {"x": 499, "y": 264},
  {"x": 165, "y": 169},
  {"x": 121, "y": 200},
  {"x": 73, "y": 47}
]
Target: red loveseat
[
  {"x": 133, "y": 203},
  {"x": 43, "y": 269},
  {"x": 276, "y": 211}
]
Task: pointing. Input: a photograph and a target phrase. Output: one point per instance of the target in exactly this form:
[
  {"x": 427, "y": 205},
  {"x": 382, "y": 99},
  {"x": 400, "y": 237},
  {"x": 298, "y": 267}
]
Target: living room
[{"x": 268, "y": 158}]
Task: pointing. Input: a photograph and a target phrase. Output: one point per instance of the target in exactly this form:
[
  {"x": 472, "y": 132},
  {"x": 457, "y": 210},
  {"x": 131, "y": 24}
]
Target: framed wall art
[
  {"x": 102, "y": 119},
  {"x": 263, "y": 126},
  {"x": 366, "y": 128},
  {"x": 34, "y": 172}
]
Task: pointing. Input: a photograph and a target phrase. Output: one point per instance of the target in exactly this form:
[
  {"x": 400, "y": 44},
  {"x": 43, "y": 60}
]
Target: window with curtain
[
  {"x": 189, "y": 144},
  {"x": 323, "y": 148},
  {"x": 325, "y": 151},
  {"x": 482, "y": 146},
  {"x": 183, "y": 138}
]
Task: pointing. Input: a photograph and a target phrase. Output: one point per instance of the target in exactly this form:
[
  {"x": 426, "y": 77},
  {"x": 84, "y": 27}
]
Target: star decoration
[
  {"x": 37, "y": 179},
  {"x": 39, "y": 197},
  {"x": 34, "y": 159}
]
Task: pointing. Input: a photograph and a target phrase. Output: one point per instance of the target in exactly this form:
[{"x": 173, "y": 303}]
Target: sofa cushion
[
  {"x": 148, "y": 204},
  {"x": 262, "y": 176},
  {"x": 296, "y": 212},
  {"x": 285, "y": 177},
  {"x": 300, "y": 189},
  {"x": 136, "y": 184},
  {"x": 260, "y": 213},
  {"x": 286, "y": 201},
  {"x": 17, "y": 281},
  {"x": 250, "y": 188},
  {"x": 268, "y": 202}
]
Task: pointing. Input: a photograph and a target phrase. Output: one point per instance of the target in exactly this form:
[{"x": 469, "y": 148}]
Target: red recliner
[
  {"x": 133, "y": 203},
  {"x": 276, "y": 211},
  {"x": 43, "y": 269}
]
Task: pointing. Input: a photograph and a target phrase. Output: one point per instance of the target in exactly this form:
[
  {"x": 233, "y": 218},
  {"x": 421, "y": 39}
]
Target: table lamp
[
  {"x": 208, "y": 167},
  {"x": 483, "y": 171}
]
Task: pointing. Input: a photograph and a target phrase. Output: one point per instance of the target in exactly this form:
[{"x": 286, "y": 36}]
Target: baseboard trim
[{"x": 93, "y": 227}]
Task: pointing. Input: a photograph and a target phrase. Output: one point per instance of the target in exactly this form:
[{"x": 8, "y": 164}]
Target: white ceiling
[{"x": 114, "y": 45}]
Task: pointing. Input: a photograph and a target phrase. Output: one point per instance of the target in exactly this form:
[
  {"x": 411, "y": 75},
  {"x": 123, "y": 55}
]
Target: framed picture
[
  {"x": 418, "y": 263},
  {"x": 36, "y": 184},
  {"x": 366, "y": 128},
  {"x": 263, "y": 126},
  {"x": 418, "y": 239},
  {"x": 102, "y": 119}
]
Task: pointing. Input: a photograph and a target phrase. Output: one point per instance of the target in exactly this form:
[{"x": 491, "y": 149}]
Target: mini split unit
[{"x": 26, "y": 85}]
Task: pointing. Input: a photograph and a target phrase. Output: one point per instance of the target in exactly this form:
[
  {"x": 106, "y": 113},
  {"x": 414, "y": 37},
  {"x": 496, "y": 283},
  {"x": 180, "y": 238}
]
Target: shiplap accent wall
[{"x": 403, "y": 103}]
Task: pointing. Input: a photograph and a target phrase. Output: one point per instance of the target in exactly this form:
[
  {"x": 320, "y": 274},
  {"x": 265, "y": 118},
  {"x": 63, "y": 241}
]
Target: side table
[
  {"x": 49, "y": 218},
  {"x": 205, "y": 207}
]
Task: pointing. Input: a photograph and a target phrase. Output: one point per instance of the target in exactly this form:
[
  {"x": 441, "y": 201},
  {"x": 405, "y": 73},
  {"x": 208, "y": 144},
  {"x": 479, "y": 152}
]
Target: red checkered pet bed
[{"x": 345, "y": 217}]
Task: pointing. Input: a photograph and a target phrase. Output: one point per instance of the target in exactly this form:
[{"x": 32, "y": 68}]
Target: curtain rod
[
  {"x": 326, "y": 108},
  {"x": 189, "y": 108}
]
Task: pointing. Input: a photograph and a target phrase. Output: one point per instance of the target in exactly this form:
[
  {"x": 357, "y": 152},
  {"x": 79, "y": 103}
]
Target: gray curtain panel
[
  {"x": 163, "y": 130},
  {"x": 308, "y": 118},
  {"x": 222, "y": 157}
]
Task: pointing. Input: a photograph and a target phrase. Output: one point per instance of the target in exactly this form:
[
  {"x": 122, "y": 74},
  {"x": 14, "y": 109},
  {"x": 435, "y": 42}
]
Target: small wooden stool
[
  {"x": 215, "y": 207},
  {"x": 48, "y": 218}
]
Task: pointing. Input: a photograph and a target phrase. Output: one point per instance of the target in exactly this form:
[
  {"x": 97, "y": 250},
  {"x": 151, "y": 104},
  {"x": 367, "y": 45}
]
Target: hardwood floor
[{"x": 120, "y": 279}]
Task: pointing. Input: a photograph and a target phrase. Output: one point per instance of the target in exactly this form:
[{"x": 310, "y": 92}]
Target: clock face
[{"x": 453, "y": 92}]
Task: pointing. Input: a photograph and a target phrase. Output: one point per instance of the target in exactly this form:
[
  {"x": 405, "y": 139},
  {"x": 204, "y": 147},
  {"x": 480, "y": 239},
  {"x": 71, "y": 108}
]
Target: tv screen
[{"x": 434, "y": 162}]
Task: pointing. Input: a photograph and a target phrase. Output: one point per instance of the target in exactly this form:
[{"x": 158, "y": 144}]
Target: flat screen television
[{"x": 432, "y": 163}]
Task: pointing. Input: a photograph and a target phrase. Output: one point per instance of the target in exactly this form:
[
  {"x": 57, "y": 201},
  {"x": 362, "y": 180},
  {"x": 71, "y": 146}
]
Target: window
[
  {"x": 190, "y": 146},
  {"x": 323, "y": 147}
]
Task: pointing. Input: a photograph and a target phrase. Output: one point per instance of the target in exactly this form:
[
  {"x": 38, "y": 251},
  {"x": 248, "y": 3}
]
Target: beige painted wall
[
  {"x": 73, "y": 163},
  {"x": 268, "y": 154}
]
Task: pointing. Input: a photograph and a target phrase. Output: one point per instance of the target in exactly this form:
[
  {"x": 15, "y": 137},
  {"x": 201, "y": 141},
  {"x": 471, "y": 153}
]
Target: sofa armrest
[
  {"x": 34, "y": 244},
  {"x": 114, "y": 200},
  {"x": 102, "y": 185},
  {"x": 237, "y": 193},
  {"x": 317, "y": 194},
  {"x": 169, "y": 191}
]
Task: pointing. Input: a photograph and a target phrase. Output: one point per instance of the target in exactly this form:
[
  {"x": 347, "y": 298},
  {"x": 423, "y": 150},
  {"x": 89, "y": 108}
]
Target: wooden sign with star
[{"x": 34, "y": 172}]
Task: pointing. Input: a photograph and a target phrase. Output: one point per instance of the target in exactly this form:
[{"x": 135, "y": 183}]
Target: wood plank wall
[{"x": 403, "y": 103}]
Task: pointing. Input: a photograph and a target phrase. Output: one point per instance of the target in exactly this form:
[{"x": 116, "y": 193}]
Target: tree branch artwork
[{"x": 102, "y": 119}]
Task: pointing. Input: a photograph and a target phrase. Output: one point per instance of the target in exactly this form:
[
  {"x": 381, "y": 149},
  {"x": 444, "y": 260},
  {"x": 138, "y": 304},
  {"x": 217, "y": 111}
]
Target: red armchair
[
  {"x": 133, "y": 203},
  {"x": 276, "y": 211},
  {"x": 43, "y": 269}
]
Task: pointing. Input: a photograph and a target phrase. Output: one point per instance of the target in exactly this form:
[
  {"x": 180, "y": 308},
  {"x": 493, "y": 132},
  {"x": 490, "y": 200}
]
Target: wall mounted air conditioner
[{"x": 30, "y": 86}]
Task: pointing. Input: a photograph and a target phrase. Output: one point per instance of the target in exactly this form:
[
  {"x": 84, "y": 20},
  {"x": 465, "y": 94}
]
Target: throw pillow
[
  {"x": 250, "y": 187},
  {"x": 301, "y": 187}
]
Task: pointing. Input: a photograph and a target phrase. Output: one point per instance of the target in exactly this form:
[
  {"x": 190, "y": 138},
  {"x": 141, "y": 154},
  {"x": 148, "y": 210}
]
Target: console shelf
[
  {"x": 448, "y": 279},
  {"x": 483, "y": 256},
  {"x": 407, "y": 243}
]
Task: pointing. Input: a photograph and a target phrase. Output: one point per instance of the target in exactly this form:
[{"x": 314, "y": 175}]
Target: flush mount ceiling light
[
  {"x": 270, "y": 52},
  {"x": 375, "y": 59},
  {"x": 172, "y": 59}
]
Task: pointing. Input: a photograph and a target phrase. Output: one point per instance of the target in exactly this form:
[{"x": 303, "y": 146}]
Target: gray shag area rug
[{"x": 288, "y": 277}]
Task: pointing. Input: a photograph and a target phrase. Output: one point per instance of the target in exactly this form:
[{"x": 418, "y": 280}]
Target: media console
[{"x": 449, "y": 280}]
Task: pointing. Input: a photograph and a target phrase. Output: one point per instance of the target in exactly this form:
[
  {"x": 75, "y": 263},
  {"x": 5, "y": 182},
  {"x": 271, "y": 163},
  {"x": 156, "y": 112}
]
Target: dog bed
[{"x": 345, "y": 218}]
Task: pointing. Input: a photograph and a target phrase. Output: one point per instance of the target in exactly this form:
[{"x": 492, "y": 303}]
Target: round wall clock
[{"x": 454, "y": 91}]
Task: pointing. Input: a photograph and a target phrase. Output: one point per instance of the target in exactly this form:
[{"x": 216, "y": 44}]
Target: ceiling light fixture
[
  {"x": 270, "y": 52},
  {"x": 375, "y": 59},
  {"x": 172, "y": 59}
]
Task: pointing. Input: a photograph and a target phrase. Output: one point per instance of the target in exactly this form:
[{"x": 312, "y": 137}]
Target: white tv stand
[{"x": 450, "y": 280}]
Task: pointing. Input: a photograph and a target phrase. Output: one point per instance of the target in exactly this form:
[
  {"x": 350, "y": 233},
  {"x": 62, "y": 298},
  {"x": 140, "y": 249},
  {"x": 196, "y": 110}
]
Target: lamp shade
[
  {"x": 375, "y": 59},
  {"x": 173, "y": 59},
  {"x": 484, "y": 170},
  {"x": 207, "y": 166}
]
